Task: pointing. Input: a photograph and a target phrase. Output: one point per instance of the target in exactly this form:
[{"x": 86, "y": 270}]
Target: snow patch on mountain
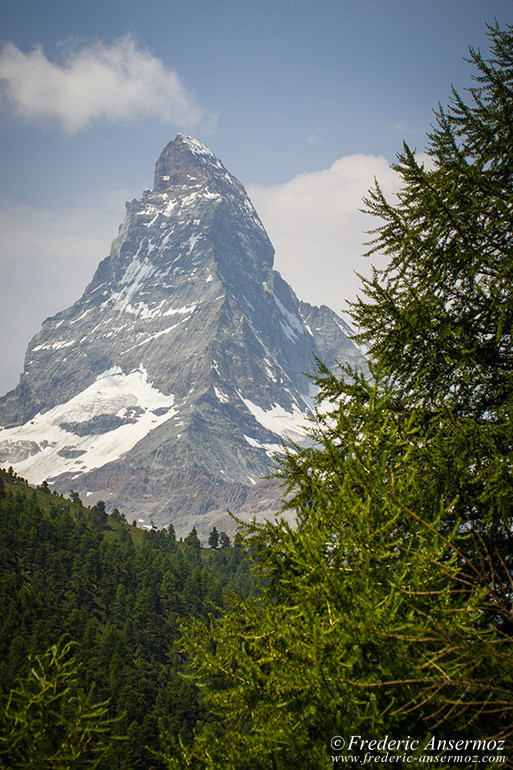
[
  {"x": 198, "y": 148},
  {"x": 286, "y": 424},
  {"x": 186, "y": 309},
  {"x": 95, "y": 427},
  {"x": 270, "y": 449},
  {"x": 291, "y": 325},
  {"x": 54, "y": 345}
]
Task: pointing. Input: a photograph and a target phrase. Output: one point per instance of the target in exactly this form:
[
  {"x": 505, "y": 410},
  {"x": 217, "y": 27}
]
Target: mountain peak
[
  {"x": 166, "y": 389},
  {"x": 194, "y": 145},
  {"x": 187, "y": 161}
]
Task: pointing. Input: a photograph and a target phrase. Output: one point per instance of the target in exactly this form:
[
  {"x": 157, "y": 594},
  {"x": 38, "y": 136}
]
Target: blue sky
[{"x": 303, "y": 101}]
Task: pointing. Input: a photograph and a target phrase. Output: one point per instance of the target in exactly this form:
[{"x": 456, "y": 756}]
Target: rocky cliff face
[{"x": 167, "y": 388}]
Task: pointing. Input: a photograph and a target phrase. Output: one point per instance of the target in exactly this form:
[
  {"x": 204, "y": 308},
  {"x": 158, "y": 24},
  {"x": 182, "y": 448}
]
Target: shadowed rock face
[{"x": 167, "y": 388}]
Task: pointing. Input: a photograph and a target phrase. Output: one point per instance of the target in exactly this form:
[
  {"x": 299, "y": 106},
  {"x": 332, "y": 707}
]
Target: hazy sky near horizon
[{"x": 305, "y": 102}]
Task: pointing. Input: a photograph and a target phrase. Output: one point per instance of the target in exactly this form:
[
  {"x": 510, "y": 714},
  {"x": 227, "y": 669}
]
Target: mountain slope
[{"x": 167, "y": 388}]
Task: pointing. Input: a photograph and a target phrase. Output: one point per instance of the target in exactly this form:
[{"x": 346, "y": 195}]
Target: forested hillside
[{"x": 119, "y": 593}]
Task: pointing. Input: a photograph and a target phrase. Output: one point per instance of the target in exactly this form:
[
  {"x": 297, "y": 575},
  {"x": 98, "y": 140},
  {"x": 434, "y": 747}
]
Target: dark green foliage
[
  {"x": 69, "y": 570},
  {"x": 193, "y": 540},
  {"x": 213, "y": 539}
]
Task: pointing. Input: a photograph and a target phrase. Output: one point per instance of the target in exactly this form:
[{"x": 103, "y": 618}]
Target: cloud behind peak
[{"x": 116, "y": 83}]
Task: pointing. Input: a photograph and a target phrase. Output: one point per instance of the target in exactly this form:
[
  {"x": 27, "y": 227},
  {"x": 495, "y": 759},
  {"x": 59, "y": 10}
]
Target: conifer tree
[
  {"x": 366, "y": 616},
  {"x": 213, "y": 539},
  {"x": 387, "y": 609},
  {"x": 441, "y": 313}
]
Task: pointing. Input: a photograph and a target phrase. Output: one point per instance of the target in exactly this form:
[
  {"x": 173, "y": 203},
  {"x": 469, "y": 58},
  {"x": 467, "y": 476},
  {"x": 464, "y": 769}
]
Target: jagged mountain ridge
[{"x": 166, "y": 388}]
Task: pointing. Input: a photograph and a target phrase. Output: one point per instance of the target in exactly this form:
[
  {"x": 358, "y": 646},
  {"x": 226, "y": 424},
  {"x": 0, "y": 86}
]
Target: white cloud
[
  {"x": 398, "y": 128},
  {"x": 47, "y": 257},
  {"x": 111, "y": 84},
  {"x": 317, "y": 230}
]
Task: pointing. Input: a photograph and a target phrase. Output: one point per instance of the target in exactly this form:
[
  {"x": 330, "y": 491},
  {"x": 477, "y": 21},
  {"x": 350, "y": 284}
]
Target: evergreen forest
[
  {"x": 91, "y": 614},
  {"x": 386, "y": 612}
]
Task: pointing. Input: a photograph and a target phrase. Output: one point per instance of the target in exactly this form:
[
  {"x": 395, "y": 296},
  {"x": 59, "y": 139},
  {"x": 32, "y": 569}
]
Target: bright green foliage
[
  {"x": 365, "y": 621},
  {"x": 50, "y": 722},
  {"x": 440, "y": 316},
  {"x": 387, "y": 610}
]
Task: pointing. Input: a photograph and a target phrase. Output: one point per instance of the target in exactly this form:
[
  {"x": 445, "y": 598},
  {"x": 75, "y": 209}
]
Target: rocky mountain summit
[{"x": 166, "y": 389}]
